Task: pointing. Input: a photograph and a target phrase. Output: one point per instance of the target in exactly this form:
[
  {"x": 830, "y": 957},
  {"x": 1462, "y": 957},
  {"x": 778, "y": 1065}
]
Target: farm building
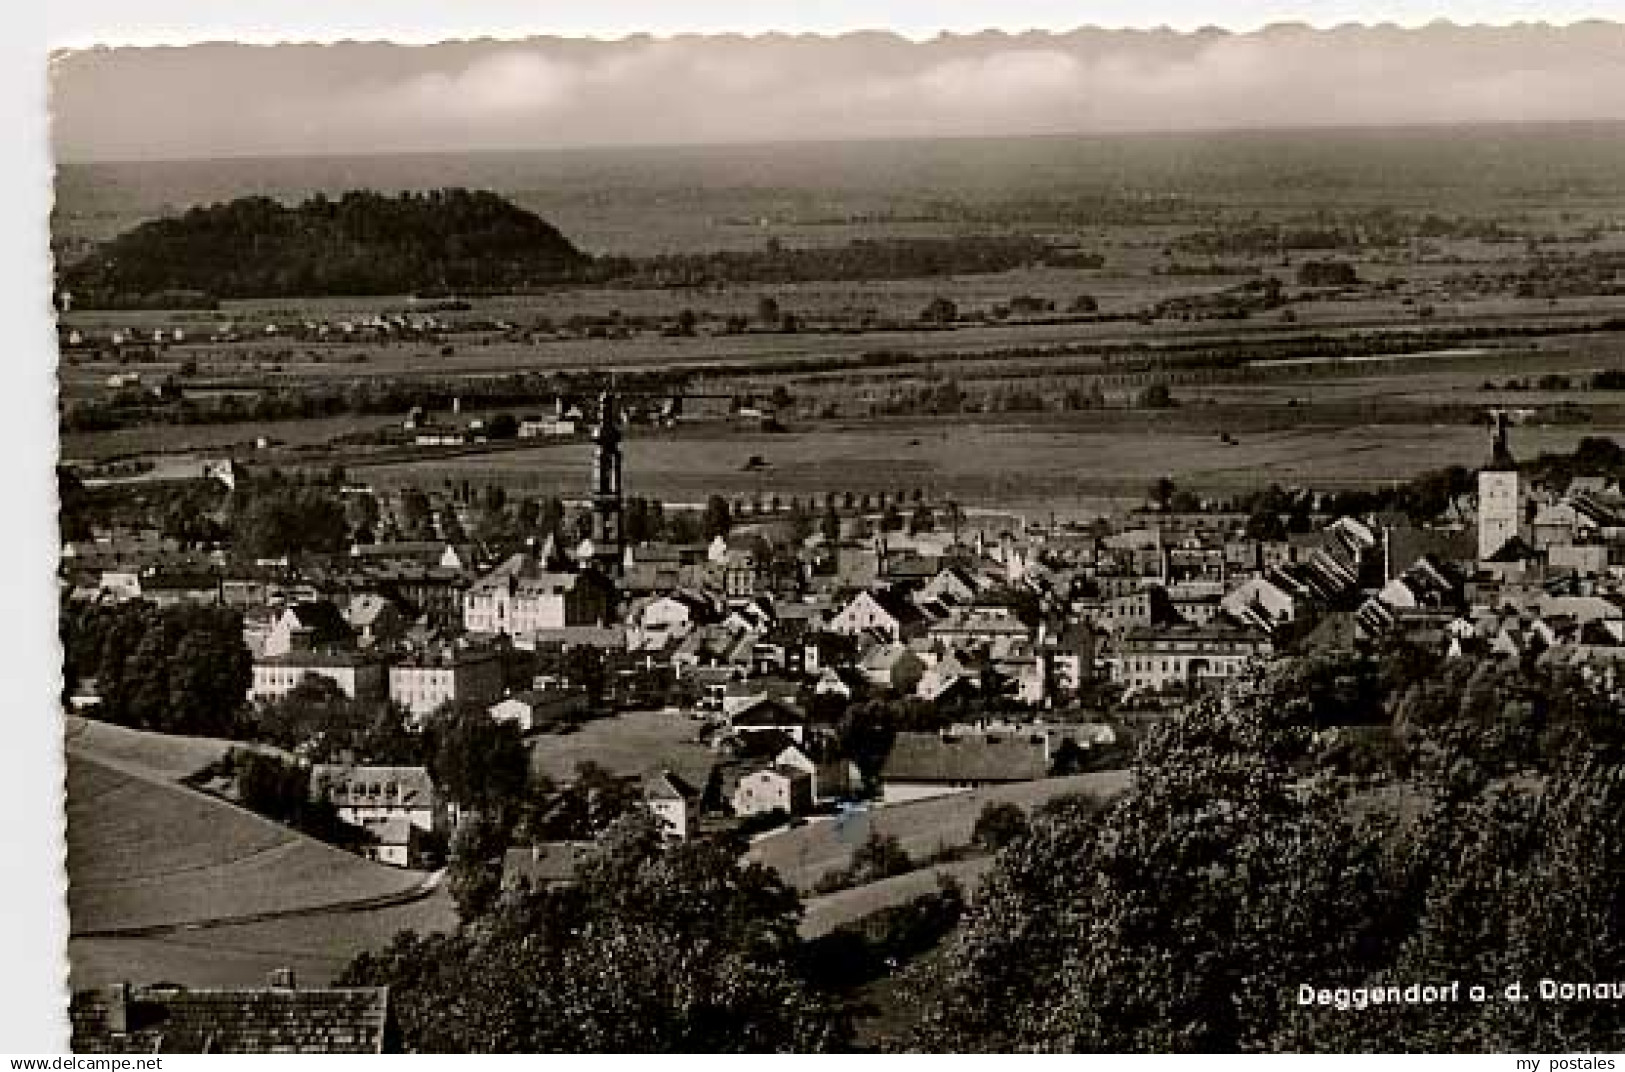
[{"x": 928, "y": 764}]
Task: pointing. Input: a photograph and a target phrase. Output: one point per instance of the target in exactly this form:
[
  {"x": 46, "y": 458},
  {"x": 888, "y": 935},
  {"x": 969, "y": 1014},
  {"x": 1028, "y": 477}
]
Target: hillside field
[{"x": 806, "y": 853}]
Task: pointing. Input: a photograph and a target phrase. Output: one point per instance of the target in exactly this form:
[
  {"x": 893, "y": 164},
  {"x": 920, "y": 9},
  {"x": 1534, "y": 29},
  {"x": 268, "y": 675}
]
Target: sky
[{"x": 245, "y": 100}]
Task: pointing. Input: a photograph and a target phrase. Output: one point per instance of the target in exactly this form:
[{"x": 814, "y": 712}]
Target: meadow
[
  {"x": 804, "y": 854},
  {"x": 1063, "y": 463},
  {"x": 628, "y": 744},
  {"x": 147, "y": 852}
]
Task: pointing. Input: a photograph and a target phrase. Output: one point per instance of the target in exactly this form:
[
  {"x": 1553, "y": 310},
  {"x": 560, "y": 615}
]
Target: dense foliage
[
  {"x": 1243, "y": 864},
  {"x": 677, "y": 948},
  {"x": 361, "y": 243},
  {"x": 465, "y": 241},
  {"x": 181, "y": 669}
]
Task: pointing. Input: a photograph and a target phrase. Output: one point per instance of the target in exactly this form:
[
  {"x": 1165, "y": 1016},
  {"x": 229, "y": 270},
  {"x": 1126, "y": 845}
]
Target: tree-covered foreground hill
[
  {"x": 1340, "y": 822},
  {"x": 1473, "y": 836},
  {"x": 360, "y": 243}
]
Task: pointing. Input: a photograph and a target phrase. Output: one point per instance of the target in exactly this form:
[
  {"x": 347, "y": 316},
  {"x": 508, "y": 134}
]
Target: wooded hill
[
  {"x": 467, "y": 242},
  {"x": 361, "y": 243}
]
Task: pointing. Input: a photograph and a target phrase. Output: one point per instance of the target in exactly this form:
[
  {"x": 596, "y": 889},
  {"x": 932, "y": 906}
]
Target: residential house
[
  {"x": 892, "y": 666},
  {"x": 769, "y": 713},
  {"x": 378, "y": 620},
  {"x": 396, "y": 809},
  {"x": 520, "y": 596},
  {"x": 674, "y": 803},
  {"x": 775, "y": 788},
  {"x": 544, "y": 865},
  {"x": 535, "y": 708},
  {"x": 1185, "y": 657},
  {"x": 880, "y": 611}
]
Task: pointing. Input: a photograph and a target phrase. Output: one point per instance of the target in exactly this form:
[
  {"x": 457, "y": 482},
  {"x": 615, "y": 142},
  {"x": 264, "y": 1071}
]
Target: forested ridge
[
  {"x": 360, "y": 243},
  {"x": 457, "y": 241}
]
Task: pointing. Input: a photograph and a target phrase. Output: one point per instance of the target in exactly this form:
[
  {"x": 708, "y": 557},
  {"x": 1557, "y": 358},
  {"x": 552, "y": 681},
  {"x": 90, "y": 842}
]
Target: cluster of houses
[{"x": 1020, "y": 637}]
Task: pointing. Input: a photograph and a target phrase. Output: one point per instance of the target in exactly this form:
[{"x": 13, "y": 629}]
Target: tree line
[{"x": 458, "y": 241}]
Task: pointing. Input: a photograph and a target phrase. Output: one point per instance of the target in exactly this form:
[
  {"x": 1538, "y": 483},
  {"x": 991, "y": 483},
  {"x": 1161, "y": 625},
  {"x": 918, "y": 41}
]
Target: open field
[
  {"x": 317, "y": 946},
  {"x": 144, "y": 851},
  {"x": 805, "y": 854},
  {"x": 160, "y": 756},
  {"x": 826, "y": 912},
  {"x": 632, "y": 743},
  {"x": 291, "y": 361}
]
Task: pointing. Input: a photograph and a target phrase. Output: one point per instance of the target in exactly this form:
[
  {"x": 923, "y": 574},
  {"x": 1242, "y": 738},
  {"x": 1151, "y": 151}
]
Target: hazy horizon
[
  {"x": 1330, "y": 130},
  {"x": 229, "y": 101}
]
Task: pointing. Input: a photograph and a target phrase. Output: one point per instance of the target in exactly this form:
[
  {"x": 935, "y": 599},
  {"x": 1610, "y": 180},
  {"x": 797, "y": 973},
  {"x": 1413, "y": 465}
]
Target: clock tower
[
  {"x": 1500, "y": 498},
  {"x": 606, "y": 489}
]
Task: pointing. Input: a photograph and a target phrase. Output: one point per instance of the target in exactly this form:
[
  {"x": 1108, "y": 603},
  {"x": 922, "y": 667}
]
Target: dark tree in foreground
[
  {"x": 1239, "y": 865},
  {"x": 182, "y": 669},
  {"x": 999, "y": 825},
  {"x": 657, "y": 949}
]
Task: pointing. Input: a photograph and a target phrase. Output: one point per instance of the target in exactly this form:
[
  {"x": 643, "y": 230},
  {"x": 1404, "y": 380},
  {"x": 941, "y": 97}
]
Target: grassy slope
[
  {"x": 806, "y": 853},
  {"x": 317, "y": 947},
  {"x": 144, "y": 851},
  {"x": 825, "y": 913}
]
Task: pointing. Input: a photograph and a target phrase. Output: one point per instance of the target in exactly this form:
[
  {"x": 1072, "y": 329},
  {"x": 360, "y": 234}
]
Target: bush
[{"x": 999, "y": 825}]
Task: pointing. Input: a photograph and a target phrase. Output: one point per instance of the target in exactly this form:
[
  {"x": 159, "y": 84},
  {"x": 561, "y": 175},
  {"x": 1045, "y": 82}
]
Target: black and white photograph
[{"x": 962, "y": 539}]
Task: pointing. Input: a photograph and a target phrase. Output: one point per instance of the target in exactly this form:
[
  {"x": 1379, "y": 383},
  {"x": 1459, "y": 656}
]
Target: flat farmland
[
  {"x": 286, "y": 361},
  {"x": 1053, "y": 463}
]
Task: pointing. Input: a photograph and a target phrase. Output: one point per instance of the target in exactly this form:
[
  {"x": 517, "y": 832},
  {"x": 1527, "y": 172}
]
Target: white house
[
  {"x": 387, "y": 802},
  {"x": 775, "y": 788}
]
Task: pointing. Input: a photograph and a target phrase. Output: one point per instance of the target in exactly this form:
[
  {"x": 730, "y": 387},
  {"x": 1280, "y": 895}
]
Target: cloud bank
[{"x": 236, "y": 100}]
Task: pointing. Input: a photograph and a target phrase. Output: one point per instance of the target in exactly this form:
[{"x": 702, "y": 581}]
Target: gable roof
[
  {"x": 1516, "y": 549},
  {"x": 322, "y": 618},
  {"x": 271, "y": 1020},
  {"x": 549, "y": 863},
  {"x": 664, "y": 785},
  {"x": 769, "y": 711}
]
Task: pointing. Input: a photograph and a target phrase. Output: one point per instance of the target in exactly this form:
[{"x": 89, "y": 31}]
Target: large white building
[
  {"x": 521, "y": 596},
  {"x": 421, "y": 684},
  {"x": 358, "y": 676}
]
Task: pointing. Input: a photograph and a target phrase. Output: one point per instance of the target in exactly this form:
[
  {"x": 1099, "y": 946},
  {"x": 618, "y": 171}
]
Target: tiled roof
[
  {"x": 372, "y": 786},
  {"x": 549, "y": 863},
  {"x": 276, "y": 1020}
]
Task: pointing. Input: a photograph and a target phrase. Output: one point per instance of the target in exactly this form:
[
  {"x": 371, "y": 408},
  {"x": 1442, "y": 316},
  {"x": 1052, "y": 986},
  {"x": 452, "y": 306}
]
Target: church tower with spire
[
  {"x": 1500, "y": 498},
  {"x": 606, "y": 489}
]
